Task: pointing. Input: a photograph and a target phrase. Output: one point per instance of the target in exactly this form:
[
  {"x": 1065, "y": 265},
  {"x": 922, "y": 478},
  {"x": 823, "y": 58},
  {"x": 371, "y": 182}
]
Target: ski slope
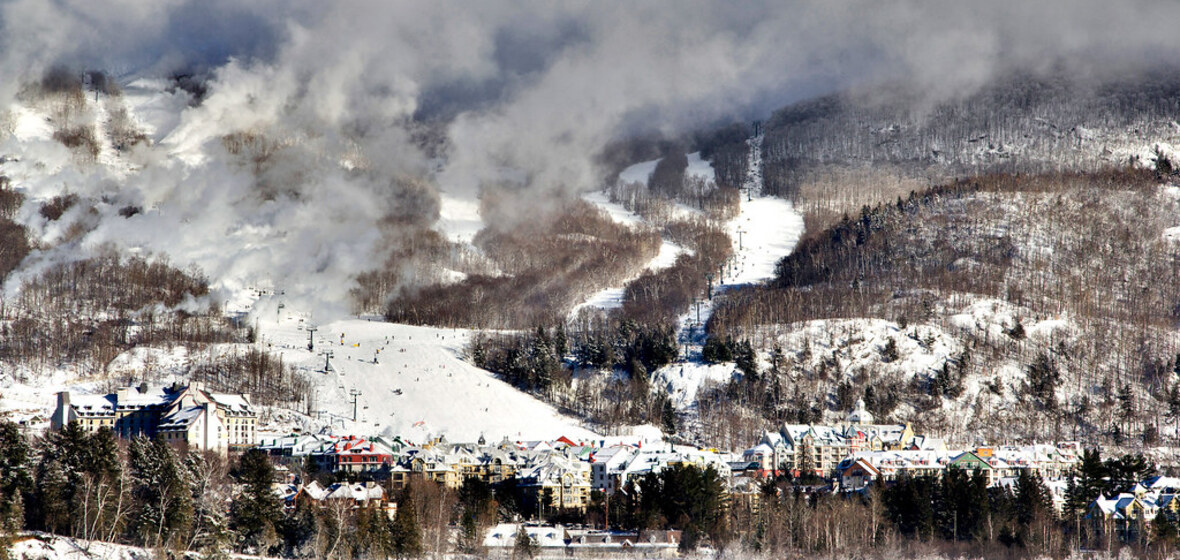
[
  {"x": 411, "y": 381},
  {"x": 612, "y": 297}
]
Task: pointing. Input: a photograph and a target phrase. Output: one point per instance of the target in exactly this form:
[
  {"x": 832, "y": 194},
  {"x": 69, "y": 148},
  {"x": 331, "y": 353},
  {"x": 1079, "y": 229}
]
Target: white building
[{"x": 186, "y": 415}]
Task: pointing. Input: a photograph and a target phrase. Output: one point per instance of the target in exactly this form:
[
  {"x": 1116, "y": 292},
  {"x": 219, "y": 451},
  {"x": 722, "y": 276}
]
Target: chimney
[
  {"x": 123, "y": 393},
  {"x": 62, "y": 414}
]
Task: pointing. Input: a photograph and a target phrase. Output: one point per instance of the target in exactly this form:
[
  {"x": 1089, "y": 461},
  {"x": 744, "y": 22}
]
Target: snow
[
  {"x": 857, "y": 344},
  {"x": 154, "y": 109},
  {"x": 683, "y": 380},
  {"x": 639, "y": 172},
  {"x": 698, "y": 167},
  {"x": 612, "y": 297},
  {"x": 30, "y": 125},
  {"x": 616, "y": 211},
  {"x": 30, "y": 399},
  {"x": 42, "y": 546},
  {"x": 766, "y": 230},
  {"x": 419, "y": 386}
]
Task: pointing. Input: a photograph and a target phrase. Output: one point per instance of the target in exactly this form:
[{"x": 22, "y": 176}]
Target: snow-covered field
[{"x": 412, "y": 381}]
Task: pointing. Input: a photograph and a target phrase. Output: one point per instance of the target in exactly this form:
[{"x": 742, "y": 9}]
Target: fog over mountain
[{"x": 523, "y": 92}]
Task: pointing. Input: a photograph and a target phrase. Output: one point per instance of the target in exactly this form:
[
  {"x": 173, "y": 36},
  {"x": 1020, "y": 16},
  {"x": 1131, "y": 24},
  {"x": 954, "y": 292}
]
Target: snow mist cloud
[{"x": 521, "y": 91}]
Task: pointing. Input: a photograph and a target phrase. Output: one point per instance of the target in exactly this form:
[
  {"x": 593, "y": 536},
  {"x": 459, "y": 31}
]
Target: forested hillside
[
  {"x": 1003, "y": 306},
  {"x": 838, "y": 152}
]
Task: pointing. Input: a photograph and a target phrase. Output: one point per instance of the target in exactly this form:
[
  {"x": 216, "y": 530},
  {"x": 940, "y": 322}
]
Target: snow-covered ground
[
  {"x": 700, "y": 168},
  {"x": 638, "y": 173},
  {"x": 769, "y": 229},
  {"x": 53, "y": 547},
  {"x": 612, "y": 297},
  {"x": 412, "y": 382},
  {"x": 765, "y": 230}
]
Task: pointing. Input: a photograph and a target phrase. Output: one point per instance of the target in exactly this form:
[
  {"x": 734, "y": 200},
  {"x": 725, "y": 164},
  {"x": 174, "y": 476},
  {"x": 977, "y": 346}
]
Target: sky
[{"x": 524, "y": 92}]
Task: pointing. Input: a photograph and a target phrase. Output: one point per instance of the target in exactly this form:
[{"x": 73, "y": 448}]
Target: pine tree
[
  {"x": 299, "y": 527},
  {"x": 407, "y": 534},
  {"x": 560, "y": 341},
  {"x": 15, "y": 481},
  {"x": 374, "y": 534},
  {"x": 746, "y": 360},
  {"x": 1174, "y": 407},
  {"x": 1126, "y": 399},
  {"x": 1087, "y": 482},
  {"x": 162, "y": 492},
  {"x": 1043, "y": 378},
  {"x": 524, "y": 547},
  {"x": 889, "y": 353},
  {"x": 1034, "y": 507},
  {"x": 668, "y": 417},
  {"x": 468, "y": 532},
  {"x": 256, "y": 511}
]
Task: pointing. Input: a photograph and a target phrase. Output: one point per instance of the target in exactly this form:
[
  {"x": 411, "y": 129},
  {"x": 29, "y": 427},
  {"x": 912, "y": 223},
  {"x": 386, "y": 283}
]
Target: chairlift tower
[{"x": 354, "y": 394}]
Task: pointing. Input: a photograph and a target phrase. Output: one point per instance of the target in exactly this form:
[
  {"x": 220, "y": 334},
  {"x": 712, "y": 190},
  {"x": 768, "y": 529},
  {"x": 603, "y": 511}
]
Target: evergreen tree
[
  {"x": 298, "y": 528},
  {"x": 468, "y": 533},
  {"x": 962, "y": 505},
  {"x": 524, "y": 547},
  {"x": 668, "y": 417},
  {"x": 374, "y": 534},
  {"x": 15, "y": 481},
  {"x": 1017, "y": 331},
  {"x": 255, "y": 512},
  {"x": 560, "y": 341},
  {"x": 1126, "y": 399},
  {"x": 407, "y": 534},
  {"x": 1033, "y": 508},
  {"x": 715, "y": 350},
  {"x": 1173, "y": 412},
  {"x": 1164, "y": 530},
  {"x": 1043, "y": 378},
  {"x": 746, "y": 360},
  {"x": 909, "y": 503},
  {"x": 685, "y": 497},
  {"x": 890, "y": 353},
  {"x": 1088, "y": 481},
  {"x": 1127, "y": 470},
  {"x": 162, "y": 493}
]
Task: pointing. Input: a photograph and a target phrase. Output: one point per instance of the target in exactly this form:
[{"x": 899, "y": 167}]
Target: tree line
[
  {"x": 148, "y": 493},
  {"x": 543, "y": 267},
  {"x": 88, "y": 311},
  {"x": 575, "y": 371}
]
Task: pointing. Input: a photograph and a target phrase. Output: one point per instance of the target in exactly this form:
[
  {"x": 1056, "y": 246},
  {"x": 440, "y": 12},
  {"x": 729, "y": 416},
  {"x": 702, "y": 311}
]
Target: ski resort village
[
  {"x": 362, "y": 280},
  {"x": 568, "y": 478}
]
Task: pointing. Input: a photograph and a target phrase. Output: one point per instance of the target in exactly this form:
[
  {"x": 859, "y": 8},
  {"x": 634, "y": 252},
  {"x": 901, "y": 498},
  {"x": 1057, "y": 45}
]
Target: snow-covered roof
[
  {"x": 234, "y": 404},
  {"x": 354, "y": 491},
  {"x": 504, "y": 535},
  {"x": 181, "y": 418}
]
